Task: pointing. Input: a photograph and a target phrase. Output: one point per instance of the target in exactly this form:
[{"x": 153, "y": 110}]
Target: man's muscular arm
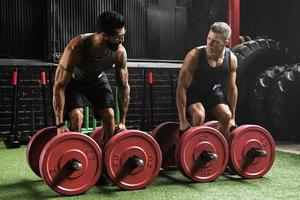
[
  {"x": 70, "y": 58},
  {"x": 123, "y": 85},
  {"x": 232, "y": 92},
  {"x": 184, "y": 81}
]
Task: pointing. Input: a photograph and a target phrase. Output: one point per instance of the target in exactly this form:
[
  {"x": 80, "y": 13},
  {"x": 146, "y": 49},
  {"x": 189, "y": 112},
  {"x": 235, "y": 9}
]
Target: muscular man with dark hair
[
  {"x": 203, "y": 72},
  {"x": 81, "y": 72}
]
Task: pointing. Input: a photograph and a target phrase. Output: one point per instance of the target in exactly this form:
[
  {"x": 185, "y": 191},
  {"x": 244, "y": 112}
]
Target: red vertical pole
[
  {"x": 150, "y": 83},
  {"x": 43, "y": 84},
  {"x": 150, "y": 79},
  {"x": 233, "y": 15},
  {"x": 43, "y": 78},
  {"x": 15, "y": 77}
]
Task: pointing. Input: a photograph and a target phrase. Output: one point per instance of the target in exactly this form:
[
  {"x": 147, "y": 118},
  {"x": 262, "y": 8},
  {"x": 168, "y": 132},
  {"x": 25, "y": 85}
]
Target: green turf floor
[{"x": 17, "y": 181}]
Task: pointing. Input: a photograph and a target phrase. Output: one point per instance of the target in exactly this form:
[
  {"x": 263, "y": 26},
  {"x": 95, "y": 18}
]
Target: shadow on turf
[
  {"x": 173, "y": 177},
  {"x": 239, "y": 179},
  {"x": 170, "y": 177},
  {"x": 26, "y": 188}
]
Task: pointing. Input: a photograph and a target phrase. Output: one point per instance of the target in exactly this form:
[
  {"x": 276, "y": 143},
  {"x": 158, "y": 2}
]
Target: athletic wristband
[{"x": 60, "y": 125}]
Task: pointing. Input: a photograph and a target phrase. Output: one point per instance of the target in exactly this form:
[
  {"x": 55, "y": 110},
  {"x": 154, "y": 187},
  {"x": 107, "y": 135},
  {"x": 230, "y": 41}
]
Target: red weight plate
[
  {"x": 166, "y": 135},
  {"x": 36, "y": 145},
  {"x": 97, "y": 135},
  {"x": 132, "y": 159},
  {"x": 60, "y": 158},
  {"x": 213, "y": 124},
  {"x": 243, "y": 140},
  {"x": 195, "y": 147}
]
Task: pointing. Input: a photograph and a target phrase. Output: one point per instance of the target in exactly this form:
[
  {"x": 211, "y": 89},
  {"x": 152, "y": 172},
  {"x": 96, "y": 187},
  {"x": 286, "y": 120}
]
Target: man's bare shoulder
[
  {"x": 72, "y": 54},
  {"x": 193, "y": 54},
  {"x": 121, "y": 50},
  {"x": 75, "y": 44},
  {"x": 191, "y": 60}
]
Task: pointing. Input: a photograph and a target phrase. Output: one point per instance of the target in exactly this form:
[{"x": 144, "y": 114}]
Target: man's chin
[
  {"x": 210, "y": 50},
  {"x": 213, "y": 51}
]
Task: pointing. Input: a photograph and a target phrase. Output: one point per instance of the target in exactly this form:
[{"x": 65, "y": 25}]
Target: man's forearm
[
  {"x": 181, "y": 104},
  {"x": 232, "y": 100},
  {"x": 58, "y": 103},
  {"x": 123, "y": 98}
]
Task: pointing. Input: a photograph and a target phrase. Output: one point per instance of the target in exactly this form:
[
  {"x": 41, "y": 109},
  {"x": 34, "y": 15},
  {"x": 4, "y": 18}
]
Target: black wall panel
[
  {"x": 159, "y": 29},
  {"x": 22, "y": 28},
  {"x": 275, "y": 19}
]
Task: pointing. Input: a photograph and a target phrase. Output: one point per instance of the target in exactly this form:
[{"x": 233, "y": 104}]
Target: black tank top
[
  {"x": 206, "y": 78},
  {"x": 90, "y": 68}
]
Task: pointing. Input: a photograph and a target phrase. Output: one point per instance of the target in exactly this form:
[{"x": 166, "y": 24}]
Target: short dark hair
[{"x": 108, "y": 21}]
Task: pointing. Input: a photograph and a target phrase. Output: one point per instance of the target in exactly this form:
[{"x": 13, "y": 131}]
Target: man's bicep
[
  {"x": 122, "y": 76},
  {"x": 70, "y": 58},
  {"x": 72, "y": 55},
  {"x": 121, "y": 58},
  {"x": 184, "y": 80},
  {"x": 187, "y": 70},
  {"x": 232, "y": 75},
  {"x": 121, "y": 67},
  {"x": 232, "y": 79},
  {"x": 62, "y": 77},
  {"x": 234, "y": 63},
  {"x": 231, "y": 82}
]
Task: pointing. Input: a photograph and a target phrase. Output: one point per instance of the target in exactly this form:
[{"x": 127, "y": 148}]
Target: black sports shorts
[
  {"x": 208, "y": 99},
  {"x": 98, "y": 93}
]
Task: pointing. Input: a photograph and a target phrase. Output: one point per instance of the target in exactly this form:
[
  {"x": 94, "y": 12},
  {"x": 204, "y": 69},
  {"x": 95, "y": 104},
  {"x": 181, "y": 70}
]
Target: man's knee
[
  {"x": 225, "y": 117},
  {"x": 198, "y": 117},
  {"x": 76, "y": 115},
  {"x": 107, "y": 114}
]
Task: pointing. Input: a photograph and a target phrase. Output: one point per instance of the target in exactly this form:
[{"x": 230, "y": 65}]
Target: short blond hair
[{"x": 222, "y": 28}]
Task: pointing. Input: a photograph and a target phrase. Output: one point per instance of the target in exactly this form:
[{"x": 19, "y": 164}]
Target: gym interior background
[
  {"x": 159, "y": 33},
  {"x": 156, "y": 31}
]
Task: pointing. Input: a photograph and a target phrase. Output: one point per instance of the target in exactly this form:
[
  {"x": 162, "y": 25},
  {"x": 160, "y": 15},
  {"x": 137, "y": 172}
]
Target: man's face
[
  {"x": 215, "y": 42},
  {"x": 114, "y": 41}
]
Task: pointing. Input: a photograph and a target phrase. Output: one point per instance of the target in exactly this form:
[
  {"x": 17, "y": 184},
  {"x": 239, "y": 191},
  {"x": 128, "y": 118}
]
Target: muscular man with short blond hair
[{"x": 204, "y": 71}]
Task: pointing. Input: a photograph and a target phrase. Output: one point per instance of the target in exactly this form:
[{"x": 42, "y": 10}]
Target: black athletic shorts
[
  {"x": 208, "y": 99},
  {"x": 98, "y": 93}
]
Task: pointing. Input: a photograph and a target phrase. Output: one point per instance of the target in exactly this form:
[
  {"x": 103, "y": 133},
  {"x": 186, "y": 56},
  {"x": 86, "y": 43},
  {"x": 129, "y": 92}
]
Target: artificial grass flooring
[{"x": 17, "y": 181}]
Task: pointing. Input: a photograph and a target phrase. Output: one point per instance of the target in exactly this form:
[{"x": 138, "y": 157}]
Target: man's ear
[{"x": 226, "y": 42}]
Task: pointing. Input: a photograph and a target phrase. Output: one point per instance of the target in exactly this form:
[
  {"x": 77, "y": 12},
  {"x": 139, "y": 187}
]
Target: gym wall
[
  {"x": 30, "y": 99},
  {"x": 42, "y": 28},
  {"x": 276, "y": 19}
]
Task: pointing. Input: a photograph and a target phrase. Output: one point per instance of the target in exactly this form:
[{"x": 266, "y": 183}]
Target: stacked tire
[
  {"x": 269, "y": 89},
  {"x": 275, "y": 95},
  {"x": 283, "y": 100},
  {"x": 259, "y": 93},
  {"x": 254, "y": 57}
]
